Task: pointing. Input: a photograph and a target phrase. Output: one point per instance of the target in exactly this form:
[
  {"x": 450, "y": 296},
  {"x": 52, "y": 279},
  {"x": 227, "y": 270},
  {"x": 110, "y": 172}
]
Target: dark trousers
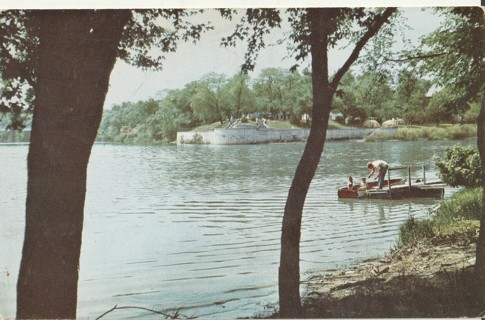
[{"x": 382, "y": 176}]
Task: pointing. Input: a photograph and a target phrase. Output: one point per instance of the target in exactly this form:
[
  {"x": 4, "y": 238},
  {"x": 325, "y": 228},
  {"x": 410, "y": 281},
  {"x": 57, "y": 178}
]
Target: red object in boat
[{"x": 358, "y": 192}]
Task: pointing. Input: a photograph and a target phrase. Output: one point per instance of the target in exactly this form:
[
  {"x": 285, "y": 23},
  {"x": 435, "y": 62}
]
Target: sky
[{"x": 190, "y": 62}]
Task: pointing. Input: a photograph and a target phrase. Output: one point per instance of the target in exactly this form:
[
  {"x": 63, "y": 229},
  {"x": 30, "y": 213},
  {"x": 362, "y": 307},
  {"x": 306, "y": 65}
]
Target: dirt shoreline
[{"x": 427, "y": 279}]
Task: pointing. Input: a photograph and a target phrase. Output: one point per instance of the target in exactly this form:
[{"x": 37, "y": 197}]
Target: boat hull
[{"x": 359, "y": 192}]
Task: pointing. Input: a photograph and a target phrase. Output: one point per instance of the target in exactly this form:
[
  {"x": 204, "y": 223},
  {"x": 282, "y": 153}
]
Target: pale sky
[{"x": 190, "y": 62}]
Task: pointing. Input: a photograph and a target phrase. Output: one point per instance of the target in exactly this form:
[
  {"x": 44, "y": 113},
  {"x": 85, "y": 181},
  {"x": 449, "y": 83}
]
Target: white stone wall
[{"x": 254, "y": 136}]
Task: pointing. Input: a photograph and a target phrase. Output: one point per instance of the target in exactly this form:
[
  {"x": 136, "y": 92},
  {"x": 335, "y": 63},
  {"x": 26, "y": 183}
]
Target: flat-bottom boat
[{"x": 360, "y": 191}]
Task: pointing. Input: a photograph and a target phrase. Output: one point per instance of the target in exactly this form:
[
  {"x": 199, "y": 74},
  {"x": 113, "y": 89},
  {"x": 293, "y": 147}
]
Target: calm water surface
[{"x": 197, "y": 228}]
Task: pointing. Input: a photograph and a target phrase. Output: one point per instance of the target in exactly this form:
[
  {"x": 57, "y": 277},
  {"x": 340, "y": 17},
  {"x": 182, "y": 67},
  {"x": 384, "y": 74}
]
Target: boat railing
[
  {"x": 397, "y": 188},
  {"x": 409, "y": 178},
  {"x": 408, "y": 168}
]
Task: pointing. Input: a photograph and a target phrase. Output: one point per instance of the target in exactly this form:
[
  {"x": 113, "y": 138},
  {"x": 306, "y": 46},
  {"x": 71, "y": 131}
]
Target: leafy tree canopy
[
  {"x": 144, "y": 42},
  {"x": 452, "y": 56}
]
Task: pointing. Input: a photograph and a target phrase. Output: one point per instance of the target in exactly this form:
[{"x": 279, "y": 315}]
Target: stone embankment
[{"x": 263, "y": 135}]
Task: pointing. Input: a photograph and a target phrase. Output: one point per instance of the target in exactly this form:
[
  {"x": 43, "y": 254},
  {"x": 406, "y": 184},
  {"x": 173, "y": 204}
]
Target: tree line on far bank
[{"x": 284, "y": 94}]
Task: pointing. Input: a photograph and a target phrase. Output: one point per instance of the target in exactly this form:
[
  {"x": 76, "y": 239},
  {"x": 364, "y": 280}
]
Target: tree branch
[
  {"x": 373, "y": 29},
  {"x": 176, "y": 315},
  {"x": 409, "y": 58}
]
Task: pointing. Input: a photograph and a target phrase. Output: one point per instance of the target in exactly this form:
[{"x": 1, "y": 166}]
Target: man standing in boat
[{"x": 382, "y": 166}]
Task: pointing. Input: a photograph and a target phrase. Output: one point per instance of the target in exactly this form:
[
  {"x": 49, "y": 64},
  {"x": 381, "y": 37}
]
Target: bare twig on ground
[{"x": 176, "y": 315}]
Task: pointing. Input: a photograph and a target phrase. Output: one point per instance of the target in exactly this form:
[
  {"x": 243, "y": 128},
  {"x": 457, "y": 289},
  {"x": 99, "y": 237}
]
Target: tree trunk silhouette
[
  {"x": 77, "y": 52},
  {"x": 289, "y": 271},
  {"x": 480, "y": 254},
  {"x": 323, "y": 90}
]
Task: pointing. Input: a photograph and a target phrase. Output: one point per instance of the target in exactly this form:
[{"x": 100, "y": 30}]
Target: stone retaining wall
[{"x": 262, "y": 135}]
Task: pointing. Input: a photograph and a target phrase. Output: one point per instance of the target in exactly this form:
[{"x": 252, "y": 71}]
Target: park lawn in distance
[{"x": 273, "y": 124}]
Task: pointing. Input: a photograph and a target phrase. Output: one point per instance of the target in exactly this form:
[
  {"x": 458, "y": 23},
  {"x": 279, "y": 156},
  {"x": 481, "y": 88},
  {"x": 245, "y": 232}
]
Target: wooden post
[
  {"x": 424, "y": 175},
  {"x": 389, "y": 180},
  {"x": 409, "y": 176}
]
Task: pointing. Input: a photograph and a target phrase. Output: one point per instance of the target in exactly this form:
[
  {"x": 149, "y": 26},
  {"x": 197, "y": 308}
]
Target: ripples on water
[{"x": 198, "y": 227}]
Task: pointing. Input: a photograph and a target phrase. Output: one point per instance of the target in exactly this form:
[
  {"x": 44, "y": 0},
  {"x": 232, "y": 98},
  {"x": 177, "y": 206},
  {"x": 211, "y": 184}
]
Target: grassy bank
[
  {"x": 430, "y": 274},
  {"x": 456, "y": 219},
  {"x": 428, "y": 133}
]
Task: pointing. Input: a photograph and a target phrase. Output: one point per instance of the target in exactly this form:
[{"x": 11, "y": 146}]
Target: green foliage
[
  {"x": 471, "y": 115},
  {"x": 410, "y": 97},
  {"x": 283, "y": 125},
  {"x": 463, "y": 131},
  {"x": 210, "y": 126},
  {"x": 150, "y": 34},
  {"x": 240, "y": 96},
  {"x": 453, "y": 56},
  {"x": 439, "y": 106},
  {"x": 279, "y": 90},
  {"x": 436, "y": 133},
  {"x": 456, "y": 218},
  {"x": 467, "y": 203},
  {"x": 413, "y": 230},
  {"x": 196, "y": 139},
  {"x": 460, "y": 167},
  {"x": 384, "y": 97},
  {"x": 373, "y": 93},
  {"x": 408, "y": 134},
  {"x": 215, "y": 97},
  {"x": 144, "y": 42},
  {"x": 210, "y": 100},
  {"x": 19, "y": 45},
  {"x": 149, "y": 122}
]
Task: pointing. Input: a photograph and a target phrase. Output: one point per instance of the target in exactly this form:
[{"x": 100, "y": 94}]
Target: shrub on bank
[
  {"x": 377, "y": 136},
  {"x": 408, "y": 134},
  {"x": 371, "y": 124},
  {"x": 436, "y": 133},
  {"x": 460, "y": 167},
  {"x": 463, "y": 131},
  {"x": 456, "y": 218},
  {"x": 413, "y": 230},
  {"x": 466, "y": 203}
]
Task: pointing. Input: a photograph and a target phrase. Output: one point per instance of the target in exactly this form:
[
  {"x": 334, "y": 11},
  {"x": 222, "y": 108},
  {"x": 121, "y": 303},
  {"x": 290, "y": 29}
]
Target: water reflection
[{"x": 386, "y": 208}]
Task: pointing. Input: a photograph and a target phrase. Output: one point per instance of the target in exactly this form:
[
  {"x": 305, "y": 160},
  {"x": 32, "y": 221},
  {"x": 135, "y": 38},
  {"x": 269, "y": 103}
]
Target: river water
[{"x": 197, "y": 228}]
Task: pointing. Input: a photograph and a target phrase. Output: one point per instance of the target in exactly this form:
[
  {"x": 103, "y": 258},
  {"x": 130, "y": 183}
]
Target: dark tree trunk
[
  {"x": 77, "y": 53},
  {"x": 480, "y": 254},
  {"x": 289, "y": 271}
]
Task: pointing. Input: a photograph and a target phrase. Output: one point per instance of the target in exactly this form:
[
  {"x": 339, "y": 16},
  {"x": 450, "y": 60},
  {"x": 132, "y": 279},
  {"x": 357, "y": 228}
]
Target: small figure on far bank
[{"x": 382, "y": 166}]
